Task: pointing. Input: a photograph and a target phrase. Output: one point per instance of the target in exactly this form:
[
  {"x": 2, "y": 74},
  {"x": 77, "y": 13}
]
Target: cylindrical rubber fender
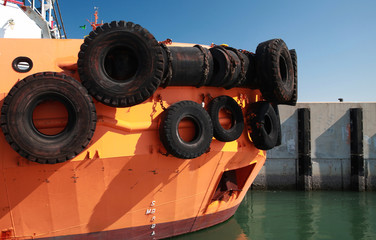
[
  {"x": 172, "y": 140},
  {"x": 230, "y": 67},
  {"x": 251, "y": 80},
  {"x": 232, "y": 108},
  {"x": 121, "y": 64},
  {"x": 263, "y": 125},
  {"x": 241, "y": 67},
  {"x": 21, "y": 131},
  {"x": 222, "y": 67},
  {"x": 275, "y": 71},
  {"x": 235, "y": 64},
  {"x": 189, "y": 66}
]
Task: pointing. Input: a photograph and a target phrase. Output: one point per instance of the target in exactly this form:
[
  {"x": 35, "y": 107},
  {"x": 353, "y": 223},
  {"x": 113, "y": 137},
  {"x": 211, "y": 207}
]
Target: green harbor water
[{"x": 297, "y": 215}]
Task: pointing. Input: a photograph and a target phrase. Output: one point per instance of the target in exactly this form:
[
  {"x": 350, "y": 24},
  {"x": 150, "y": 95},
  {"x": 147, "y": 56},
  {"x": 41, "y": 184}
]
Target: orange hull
[{"x": 123, "y": 185}]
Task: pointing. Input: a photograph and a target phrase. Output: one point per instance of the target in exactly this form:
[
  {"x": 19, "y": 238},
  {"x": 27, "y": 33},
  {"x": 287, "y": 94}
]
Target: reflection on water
[{"x": 298, "y": 215}]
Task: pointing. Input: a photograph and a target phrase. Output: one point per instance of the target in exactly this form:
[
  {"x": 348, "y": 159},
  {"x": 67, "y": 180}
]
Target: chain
[{"x": 159, "y": 97}]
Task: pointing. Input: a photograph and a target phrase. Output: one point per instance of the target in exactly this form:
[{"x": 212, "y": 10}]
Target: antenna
[{"x": 95, "y": 24}]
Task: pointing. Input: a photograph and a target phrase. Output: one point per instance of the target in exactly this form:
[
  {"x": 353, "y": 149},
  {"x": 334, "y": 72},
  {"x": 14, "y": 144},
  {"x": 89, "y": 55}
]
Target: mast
[{"x": 95, "y": 24}]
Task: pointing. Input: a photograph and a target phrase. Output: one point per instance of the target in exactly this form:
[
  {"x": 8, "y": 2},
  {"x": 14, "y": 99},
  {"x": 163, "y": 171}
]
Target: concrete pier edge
[{"x": 342, "y": 154}]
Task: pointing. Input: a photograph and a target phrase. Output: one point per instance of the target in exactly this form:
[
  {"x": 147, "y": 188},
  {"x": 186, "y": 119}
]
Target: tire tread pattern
[
  {"x": 89, "y": 81},
  {"x": 14, "y": 94},
  {"x": 228, "y": 103},
  {"x": 169, "y": 126},
  {"x": 269, "y": 79},
  {"x": 264, "y": 139}
]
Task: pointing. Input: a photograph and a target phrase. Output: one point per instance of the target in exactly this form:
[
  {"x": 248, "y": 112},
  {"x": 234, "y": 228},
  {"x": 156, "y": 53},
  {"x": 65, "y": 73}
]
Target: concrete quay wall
[{"x": 332, "y": 164}]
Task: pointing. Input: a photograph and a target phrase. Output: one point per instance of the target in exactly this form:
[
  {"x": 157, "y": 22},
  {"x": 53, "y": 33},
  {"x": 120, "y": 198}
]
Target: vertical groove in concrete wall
[
  {"x": 357, "y": 157},
  {"x": 336, "y": 159},
  {"x": 304, "y": 178}
]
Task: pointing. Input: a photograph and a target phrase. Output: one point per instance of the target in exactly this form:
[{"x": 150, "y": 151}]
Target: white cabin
[{"x": 27, "y": 20}]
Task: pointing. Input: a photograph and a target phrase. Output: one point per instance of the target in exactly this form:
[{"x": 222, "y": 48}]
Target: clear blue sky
[{"x": 335, "y": 39}]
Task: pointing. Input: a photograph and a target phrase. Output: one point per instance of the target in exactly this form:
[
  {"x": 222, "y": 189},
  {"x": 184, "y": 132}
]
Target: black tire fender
[
  {"x": 237, "y": 120},
  {"x": 263, "y": 125},
  {"x": 275, "y": 71},
  {"x": 294, "y": 98},
  {"x": 17, "y": 118},
  {"x": 169, "y": 130},
  {"x": 279, "y": 138},
  {"x": 121, "y": 64}
]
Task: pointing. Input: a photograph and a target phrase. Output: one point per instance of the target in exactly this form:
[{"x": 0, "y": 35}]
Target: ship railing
[
  {"x": 14, "y": 1},
  {"x": 46, "y": 10},
  {"x": 31, "y": 4}
]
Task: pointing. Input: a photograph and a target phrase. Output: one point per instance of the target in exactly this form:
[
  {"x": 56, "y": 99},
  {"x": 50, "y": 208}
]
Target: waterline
[{"x": 298, "y": 215}]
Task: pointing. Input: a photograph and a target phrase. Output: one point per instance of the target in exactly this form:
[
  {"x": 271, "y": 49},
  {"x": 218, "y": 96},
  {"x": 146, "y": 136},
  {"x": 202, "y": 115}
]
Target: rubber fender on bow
[
  {"x": 187, "y": 66},
  {"x": 232, "y": 108},
  {"x": 294, "y": 98},
  {"x": 275, "y": 71},
  {"x": 21, "y": 129},
  {"x": 240, "y": 65},
  {"x": 121, "y": 64},
  {"x": 222, "y": 67},
  {"x": 263, "y": 125},
  {"x": 199, "y": 130},
  {"x": 279, "y": 139},
  {"x": 251, "y": 77},
  {"x": 230, "y": 67}
]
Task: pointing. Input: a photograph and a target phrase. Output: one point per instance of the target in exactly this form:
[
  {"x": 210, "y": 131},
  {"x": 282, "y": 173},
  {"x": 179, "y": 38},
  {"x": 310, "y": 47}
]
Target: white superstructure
[{"x": 28, "y": 19}]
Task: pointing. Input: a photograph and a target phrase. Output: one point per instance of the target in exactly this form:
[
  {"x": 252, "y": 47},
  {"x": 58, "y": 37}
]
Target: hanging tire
[
  {"x": 263, "y": 125},
  {"x": 237, "y": 121},
  {"x": 279, "y": 138},
  {"x": 121, "y": 64},
  {"x": 169, "y": 134},
  {"x": 30, "y": 142},
  {"x": 241, "y": 67},
  {"x": 222, "y": 67},
  {"x": 294, "y": 58},
  {"x": 275, "y": 71}
]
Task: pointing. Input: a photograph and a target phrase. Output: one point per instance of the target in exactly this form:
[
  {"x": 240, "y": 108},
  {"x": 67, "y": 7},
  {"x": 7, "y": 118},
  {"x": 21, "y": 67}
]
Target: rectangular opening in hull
[{"x": 232, "y": 182}]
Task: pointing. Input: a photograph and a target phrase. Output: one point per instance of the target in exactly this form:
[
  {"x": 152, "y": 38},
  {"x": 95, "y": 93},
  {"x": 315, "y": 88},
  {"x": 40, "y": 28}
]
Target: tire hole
[
  {"x": 188, "y": 130},
  {"x": 225, "y": 118},
  {"x": 50, "y": 117},
  {"x": 121, "y": 63},
  {"x": 268, "y": 124}
]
